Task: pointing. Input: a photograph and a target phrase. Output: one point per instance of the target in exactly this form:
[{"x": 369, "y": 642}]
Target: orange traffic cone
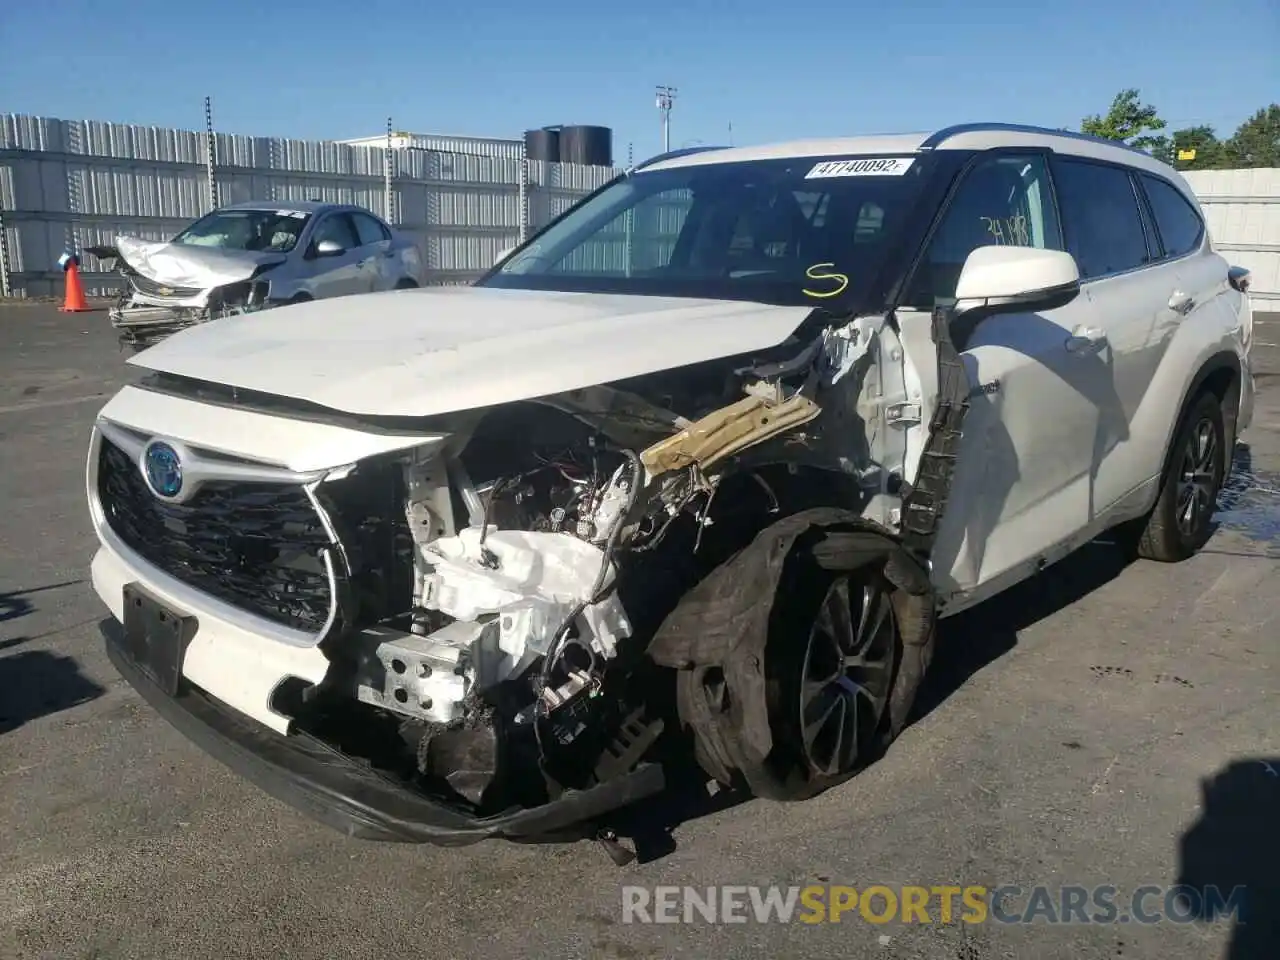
[{"x": 74, "y": 301}]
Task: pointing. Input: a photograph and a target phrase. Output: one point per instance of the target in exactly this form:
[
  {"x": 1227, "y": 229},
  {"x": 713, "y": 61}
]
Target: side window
[
  {"x": 1180, "y": 226},
  {"x": 1004, "y": 200},
  {"x": 336, "y": 226},
  {"x": 1101, "y": 218},
  {"x": 369, "y": 229}
]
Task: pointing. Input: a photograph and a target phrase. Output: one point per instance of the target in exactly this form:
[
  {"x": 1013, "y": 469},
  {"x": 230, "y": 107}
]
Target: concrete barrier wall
[{"x": 69, "y": 184}]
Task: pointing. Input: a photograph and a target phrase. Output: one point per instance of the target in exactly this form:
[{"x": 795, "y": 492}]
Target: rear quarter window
[{"x": 1178, "y": 223}]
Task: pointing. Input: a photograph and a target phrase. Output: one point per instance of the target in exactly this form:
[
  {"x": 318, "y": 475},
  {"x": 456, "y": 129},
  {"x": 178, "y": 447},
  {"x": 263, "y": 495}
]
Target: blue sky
[{"x": 773, "y": 70}]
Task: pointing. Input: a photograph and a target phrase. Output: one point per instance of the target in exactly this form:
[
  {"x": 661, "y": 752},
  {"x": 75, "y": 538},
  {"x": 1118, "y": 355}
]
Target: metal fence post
[
  {"x": 524, "y": 193},
  {"x": 5, "y": 289},
  {"x": 389, "y": 199},
  {"x": 211, "y": 153}
]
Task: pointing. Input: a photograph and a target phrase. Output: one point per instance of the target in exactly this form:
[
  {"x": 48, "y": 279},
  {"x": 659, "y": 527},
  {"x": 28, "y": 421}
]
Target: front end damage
[
  {"x": 167, "y": 289},
  {"x": 529, "y": 618}
]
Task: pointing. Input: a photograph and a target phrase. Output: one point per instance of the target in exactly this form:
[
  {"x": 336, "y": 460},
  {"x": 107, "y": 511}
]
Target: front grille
[
  {"x": 153, "y": 289},
  {"x": 256, "y": 546}
]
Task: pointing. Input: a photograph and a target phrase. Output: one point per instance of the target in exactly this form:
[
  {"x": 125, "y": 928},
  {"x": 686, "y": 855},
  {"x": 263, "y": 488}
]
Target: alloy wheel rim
[
  {"x": 1197, "y": 477},
  {"x": 845, "y": 676}
]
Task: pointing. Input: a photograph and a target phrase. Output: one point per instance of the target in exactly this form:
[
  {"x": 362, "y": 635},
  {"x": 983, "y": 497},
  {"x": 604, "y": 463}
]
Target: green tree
[
  {"x": 1211, "y": 153},
  {"x": 1129, "y": 121},
  {"x": 1257, "y": 142}
]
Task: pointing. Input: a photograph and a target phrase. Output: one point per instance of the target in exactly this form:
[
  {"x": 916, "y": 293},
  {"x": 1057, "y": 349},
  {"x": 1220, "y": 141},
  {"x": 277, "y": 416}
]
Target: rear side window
[
  {"x": 1179, "y": 225},
  {"x": 1100, "y": 218}
]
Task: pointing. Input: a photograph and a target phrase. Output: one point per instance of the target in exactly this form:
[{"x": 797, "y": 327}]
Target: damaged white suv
[{"x": 690, "y": 474}]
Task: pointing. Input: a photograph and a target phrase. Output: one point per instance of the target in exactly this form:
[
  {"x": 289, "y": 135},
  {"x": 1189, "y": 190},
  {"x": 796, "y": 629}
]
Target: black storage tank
[
  {"x": 543, "y": 144},
  {"x": 592, "y": 146}
]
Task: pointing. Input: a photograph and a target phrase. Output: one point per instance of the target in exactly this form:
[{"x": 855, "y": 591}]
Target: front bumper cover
[{"x": 347, "y": 796}]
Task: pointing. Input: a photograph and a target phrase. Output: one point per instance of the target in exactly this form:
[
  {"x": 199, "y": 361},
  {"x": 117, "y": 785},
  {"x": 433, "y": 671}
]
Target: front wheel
[
  {"x": 799, "y": 658},
  {"x": 832, "y": 662},
  {"x": 1182, "y": 519}
]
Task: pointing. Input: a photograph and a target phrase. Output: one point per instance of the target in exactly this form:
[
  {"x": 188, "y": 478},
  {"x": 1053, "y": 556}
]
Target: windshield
[
  {"x": 794, "y": 232},
  {"x": 276, "y": 231}
]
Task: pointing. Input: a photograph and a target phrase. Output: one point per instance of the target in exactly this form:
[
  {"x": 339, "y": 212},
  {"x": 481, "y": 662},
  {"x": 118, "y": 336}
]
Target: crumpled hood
[
  {"x": 189, "y": 265},
  {"x": 444, "y": 349}
]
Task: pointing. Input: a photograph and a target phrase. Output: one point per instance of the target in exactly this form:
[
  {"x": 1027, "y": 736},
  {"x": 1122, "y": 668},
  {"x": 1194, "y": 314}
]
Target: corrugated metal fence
[
  {"x": 1243, "y": 210},
  {"x": 72, "y": 183}
]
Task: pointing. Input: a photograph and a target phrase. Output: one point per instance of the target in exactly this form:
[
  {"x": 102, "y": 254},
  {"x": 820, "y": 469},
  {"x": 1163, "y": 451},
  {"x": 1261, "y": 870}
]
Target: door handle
[
  {"x": 1182, "y": 303},
  {"x": 1086, "y": 340}
]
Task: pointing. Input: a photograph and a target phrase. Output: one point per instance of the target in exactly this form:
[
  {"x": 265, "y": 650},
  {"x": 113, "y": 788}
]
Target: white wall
[{"x": 1243, "y": 211}]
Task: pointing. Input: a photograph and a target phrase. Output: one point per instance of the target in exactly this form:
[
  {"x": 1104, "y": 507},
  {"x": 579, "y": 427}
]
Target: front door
[
  {"x": 337, "y": 274},
  {"x": 1023, "y": 480}
]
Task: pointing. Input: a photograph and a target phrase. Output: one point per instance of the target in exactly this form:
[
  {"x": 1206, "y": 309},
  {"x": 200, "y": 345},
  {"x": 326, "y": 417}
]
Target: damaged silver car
[
  {"x": 247, "y": 257},
  {"x": 684, "y": 483}
]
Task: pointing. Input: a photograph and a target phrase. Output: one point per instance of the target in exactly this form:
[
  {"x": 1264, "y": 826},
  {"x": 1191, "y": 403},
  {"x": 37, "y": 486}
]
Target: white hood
[
  {"x": 191, "y": 265},
  {"x": 444, "y": 349}
]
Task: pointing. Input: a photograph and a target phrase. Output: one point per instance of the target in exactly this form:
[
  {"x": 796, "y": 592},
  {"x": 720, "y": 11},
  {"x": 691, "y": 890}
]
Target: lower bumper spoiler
[{"x": 335, "y": 790}]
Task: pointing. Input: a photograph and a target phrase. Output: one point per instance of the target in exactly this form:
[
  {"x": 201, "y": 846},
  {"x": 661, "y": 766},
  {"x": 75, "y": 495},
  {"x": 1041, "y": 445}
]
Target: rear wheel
[
  {"x": 1181, "y": 521},
  {"x": 405, "y": 283}
]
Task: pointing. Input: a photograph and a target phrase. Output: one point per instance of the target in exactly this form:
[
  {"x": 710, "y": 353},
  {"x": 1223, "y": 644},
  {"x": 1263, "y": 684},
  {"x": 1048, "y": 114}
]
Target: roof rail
[
  {"x": 946, "y": 133},
  {"x": 671, "y": 155}
]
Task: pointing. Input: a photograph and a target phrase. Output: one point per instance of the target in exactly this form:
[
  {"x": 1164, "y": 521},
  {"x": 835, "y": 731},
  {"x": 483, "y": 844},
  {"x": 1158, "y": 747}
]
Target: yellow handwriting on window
[{"x": 817, "y": 272}]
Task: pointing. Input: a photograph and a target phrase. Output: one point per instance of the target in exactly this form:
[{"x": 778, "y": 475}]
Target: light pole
[{"x": 666, "y": 98}]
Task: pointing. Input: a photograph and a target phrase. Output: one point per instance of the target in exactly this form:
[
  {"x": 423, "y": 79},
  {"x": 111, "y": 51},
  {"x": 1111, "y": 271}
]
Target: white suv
[{"x": 693, "y": 472}]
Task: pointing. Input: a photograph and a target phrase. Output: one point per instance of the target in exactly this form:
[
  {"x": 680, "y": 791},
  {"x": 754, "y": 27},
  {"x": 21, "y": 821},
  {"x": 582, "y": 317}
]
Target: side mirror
[
  {"x": 329, "y": 248},
  {"x": 1000, "y": 279}
]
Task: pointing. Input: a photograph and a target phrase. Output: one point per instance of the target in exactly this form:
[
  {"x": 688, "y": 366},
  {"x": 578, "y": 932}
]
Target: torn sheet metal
[
  {"x": 189, "y": 265},
  {"x": 727, "y": 431}
]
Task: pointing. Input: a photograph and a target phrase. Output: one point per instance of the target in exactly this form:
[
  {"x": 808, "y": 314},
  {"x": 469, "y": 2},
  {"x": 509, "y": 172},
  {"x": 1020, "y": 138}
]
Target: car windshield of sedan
[
  {"x": 274, "y": 231},
  {"x": 799, "y": 231}
]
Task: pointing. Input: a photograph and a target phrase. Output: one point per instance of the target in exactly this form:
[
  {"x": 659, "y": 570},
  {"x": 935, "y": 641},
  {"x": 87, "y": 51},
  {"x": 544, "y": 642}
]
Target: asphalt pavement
[{"x": 1067, "y": 735}]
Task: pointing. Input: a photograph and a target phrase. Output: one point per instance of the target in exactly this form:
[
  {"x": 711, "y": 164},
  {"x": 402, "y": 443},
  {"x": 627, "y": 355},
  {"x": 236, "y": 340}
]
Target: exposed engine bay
[{"x": 512, "y": 624}]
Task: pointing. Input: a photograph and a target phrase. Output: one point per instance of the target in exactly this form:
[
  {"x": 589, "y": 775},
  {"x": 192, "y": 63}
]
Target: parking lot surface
[{"x": 1065, "y": 737}]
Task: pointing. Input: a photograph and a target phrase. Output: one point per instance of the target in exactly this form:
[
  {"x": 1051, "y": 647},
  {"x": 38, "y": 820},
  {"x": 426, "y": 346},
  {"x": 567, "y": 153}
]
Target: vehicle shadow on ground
[
  {"x": 36, "y": 683},
  {"x": 969, "y": 641},
  {"x": 966, "y": 643},
  {"x": 1234, "y": 848},
  {"x": 16, "y": 604},
  {"x": 13, "y": 606}
]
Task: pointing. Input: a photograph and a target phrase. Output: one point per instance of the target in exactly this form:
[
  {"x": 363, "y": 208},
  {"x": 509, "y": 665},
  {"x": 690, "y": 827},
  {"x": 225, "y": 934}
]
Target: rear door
[
  {"x": 1022, "y": 480},
  {"x": 1140, "y": 294},
  {"x": 378, "y": 260}
]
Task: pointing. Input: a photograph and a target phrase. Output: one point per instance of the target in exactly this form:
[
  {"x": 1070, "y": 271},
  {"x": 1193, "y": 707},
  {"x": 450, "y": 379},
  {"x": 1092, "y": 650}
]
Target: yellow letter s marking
[{"x": 815, "y": 273}]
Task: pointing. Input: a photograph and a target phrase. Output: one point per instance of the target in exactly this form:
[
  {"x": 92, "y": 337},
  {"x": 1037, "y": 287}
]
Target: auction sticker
[{"x": 861, "y": 167}]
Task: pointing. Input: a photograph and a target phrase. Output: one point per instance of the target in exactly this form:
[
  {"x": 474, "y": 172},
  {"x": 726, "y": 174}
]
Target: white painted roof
[
  {"x": 974, "y": 137},
  {"x": 833, "y": 147}
]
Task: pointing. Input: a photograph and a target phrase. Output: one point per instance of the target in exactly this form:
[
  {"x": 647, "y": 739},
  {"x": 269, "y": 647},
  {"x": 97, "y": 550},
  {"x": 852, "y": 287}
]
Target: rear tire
[
  {"x": 404, "y": 283},
  {"x": 1181, "y": 522}
]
